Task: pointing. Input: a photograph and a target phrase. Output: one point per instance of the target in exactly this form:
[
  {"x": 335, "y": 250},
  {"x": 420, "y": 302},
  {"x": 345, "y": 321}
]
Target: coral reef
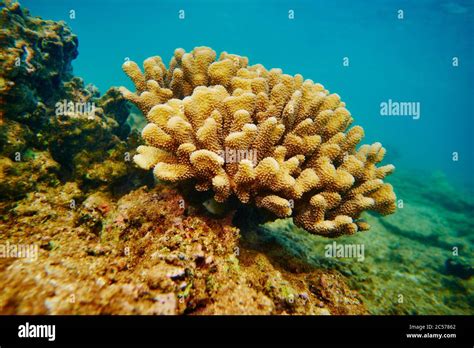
[
  {"x": 69, "y": 192},
  {"x": 108, "y": 243},
  {"x": 277, "y": 141}
]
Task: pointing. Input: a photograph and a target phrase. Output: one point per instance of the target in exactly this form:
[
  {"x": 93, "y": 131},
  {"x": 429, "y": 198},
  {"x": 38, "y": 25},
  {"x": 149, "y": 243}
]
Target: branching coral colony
[{"x": 304, "y": 159}]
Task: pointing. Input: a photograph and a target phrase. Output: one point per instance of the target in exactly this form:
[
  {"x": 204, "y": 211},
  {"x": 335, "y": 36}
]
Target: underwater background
[{"x": 407, "y": 59}]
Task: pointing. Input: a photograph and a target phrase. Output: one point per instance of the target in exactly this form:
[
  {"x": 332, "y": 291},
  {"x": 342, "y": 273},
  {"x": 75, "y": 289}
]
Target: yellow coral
[{"x": 276, "y": 140}]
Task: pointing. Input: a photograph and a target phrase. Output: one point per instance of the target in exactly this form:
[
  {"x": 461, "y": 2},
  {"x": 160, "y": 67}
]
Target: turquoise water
[{"x": 405, "y": 60}]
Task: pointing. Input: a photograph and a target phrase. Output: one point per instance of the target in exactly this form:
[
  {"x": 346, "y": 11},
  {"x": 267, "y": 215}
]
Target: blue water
[{"x": 389, "y": 58}]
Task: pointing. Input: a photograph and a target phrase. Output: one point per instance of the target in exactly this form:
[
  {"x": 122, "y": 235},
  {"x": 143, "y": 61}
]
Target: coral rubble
[{"x": 291, "y": 151}]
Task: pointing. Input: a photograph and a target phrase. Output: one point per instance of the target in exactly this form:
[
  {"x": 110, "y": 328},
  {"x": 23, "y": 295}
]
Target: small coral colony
[{"x": 275, "y": 141}]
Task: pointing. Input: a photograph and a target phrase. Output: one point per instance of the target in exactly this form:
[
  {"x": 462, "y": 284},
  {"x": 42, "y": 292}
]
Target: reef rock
[
  {"x": 151, "y": 256},
  {"x": 44, "y": 108}
]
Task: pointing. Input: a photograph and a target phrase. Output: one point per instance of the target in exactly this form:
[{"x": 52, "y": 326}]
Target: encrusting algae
[{"x": 292, "y": 152}]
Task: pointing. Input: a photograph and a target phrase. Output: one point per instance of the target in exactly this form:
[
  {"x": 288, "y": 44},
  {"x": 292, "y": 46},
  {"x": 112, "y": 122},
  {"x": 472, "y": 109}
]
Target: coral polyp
[{"x": 291, "y": 149}]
